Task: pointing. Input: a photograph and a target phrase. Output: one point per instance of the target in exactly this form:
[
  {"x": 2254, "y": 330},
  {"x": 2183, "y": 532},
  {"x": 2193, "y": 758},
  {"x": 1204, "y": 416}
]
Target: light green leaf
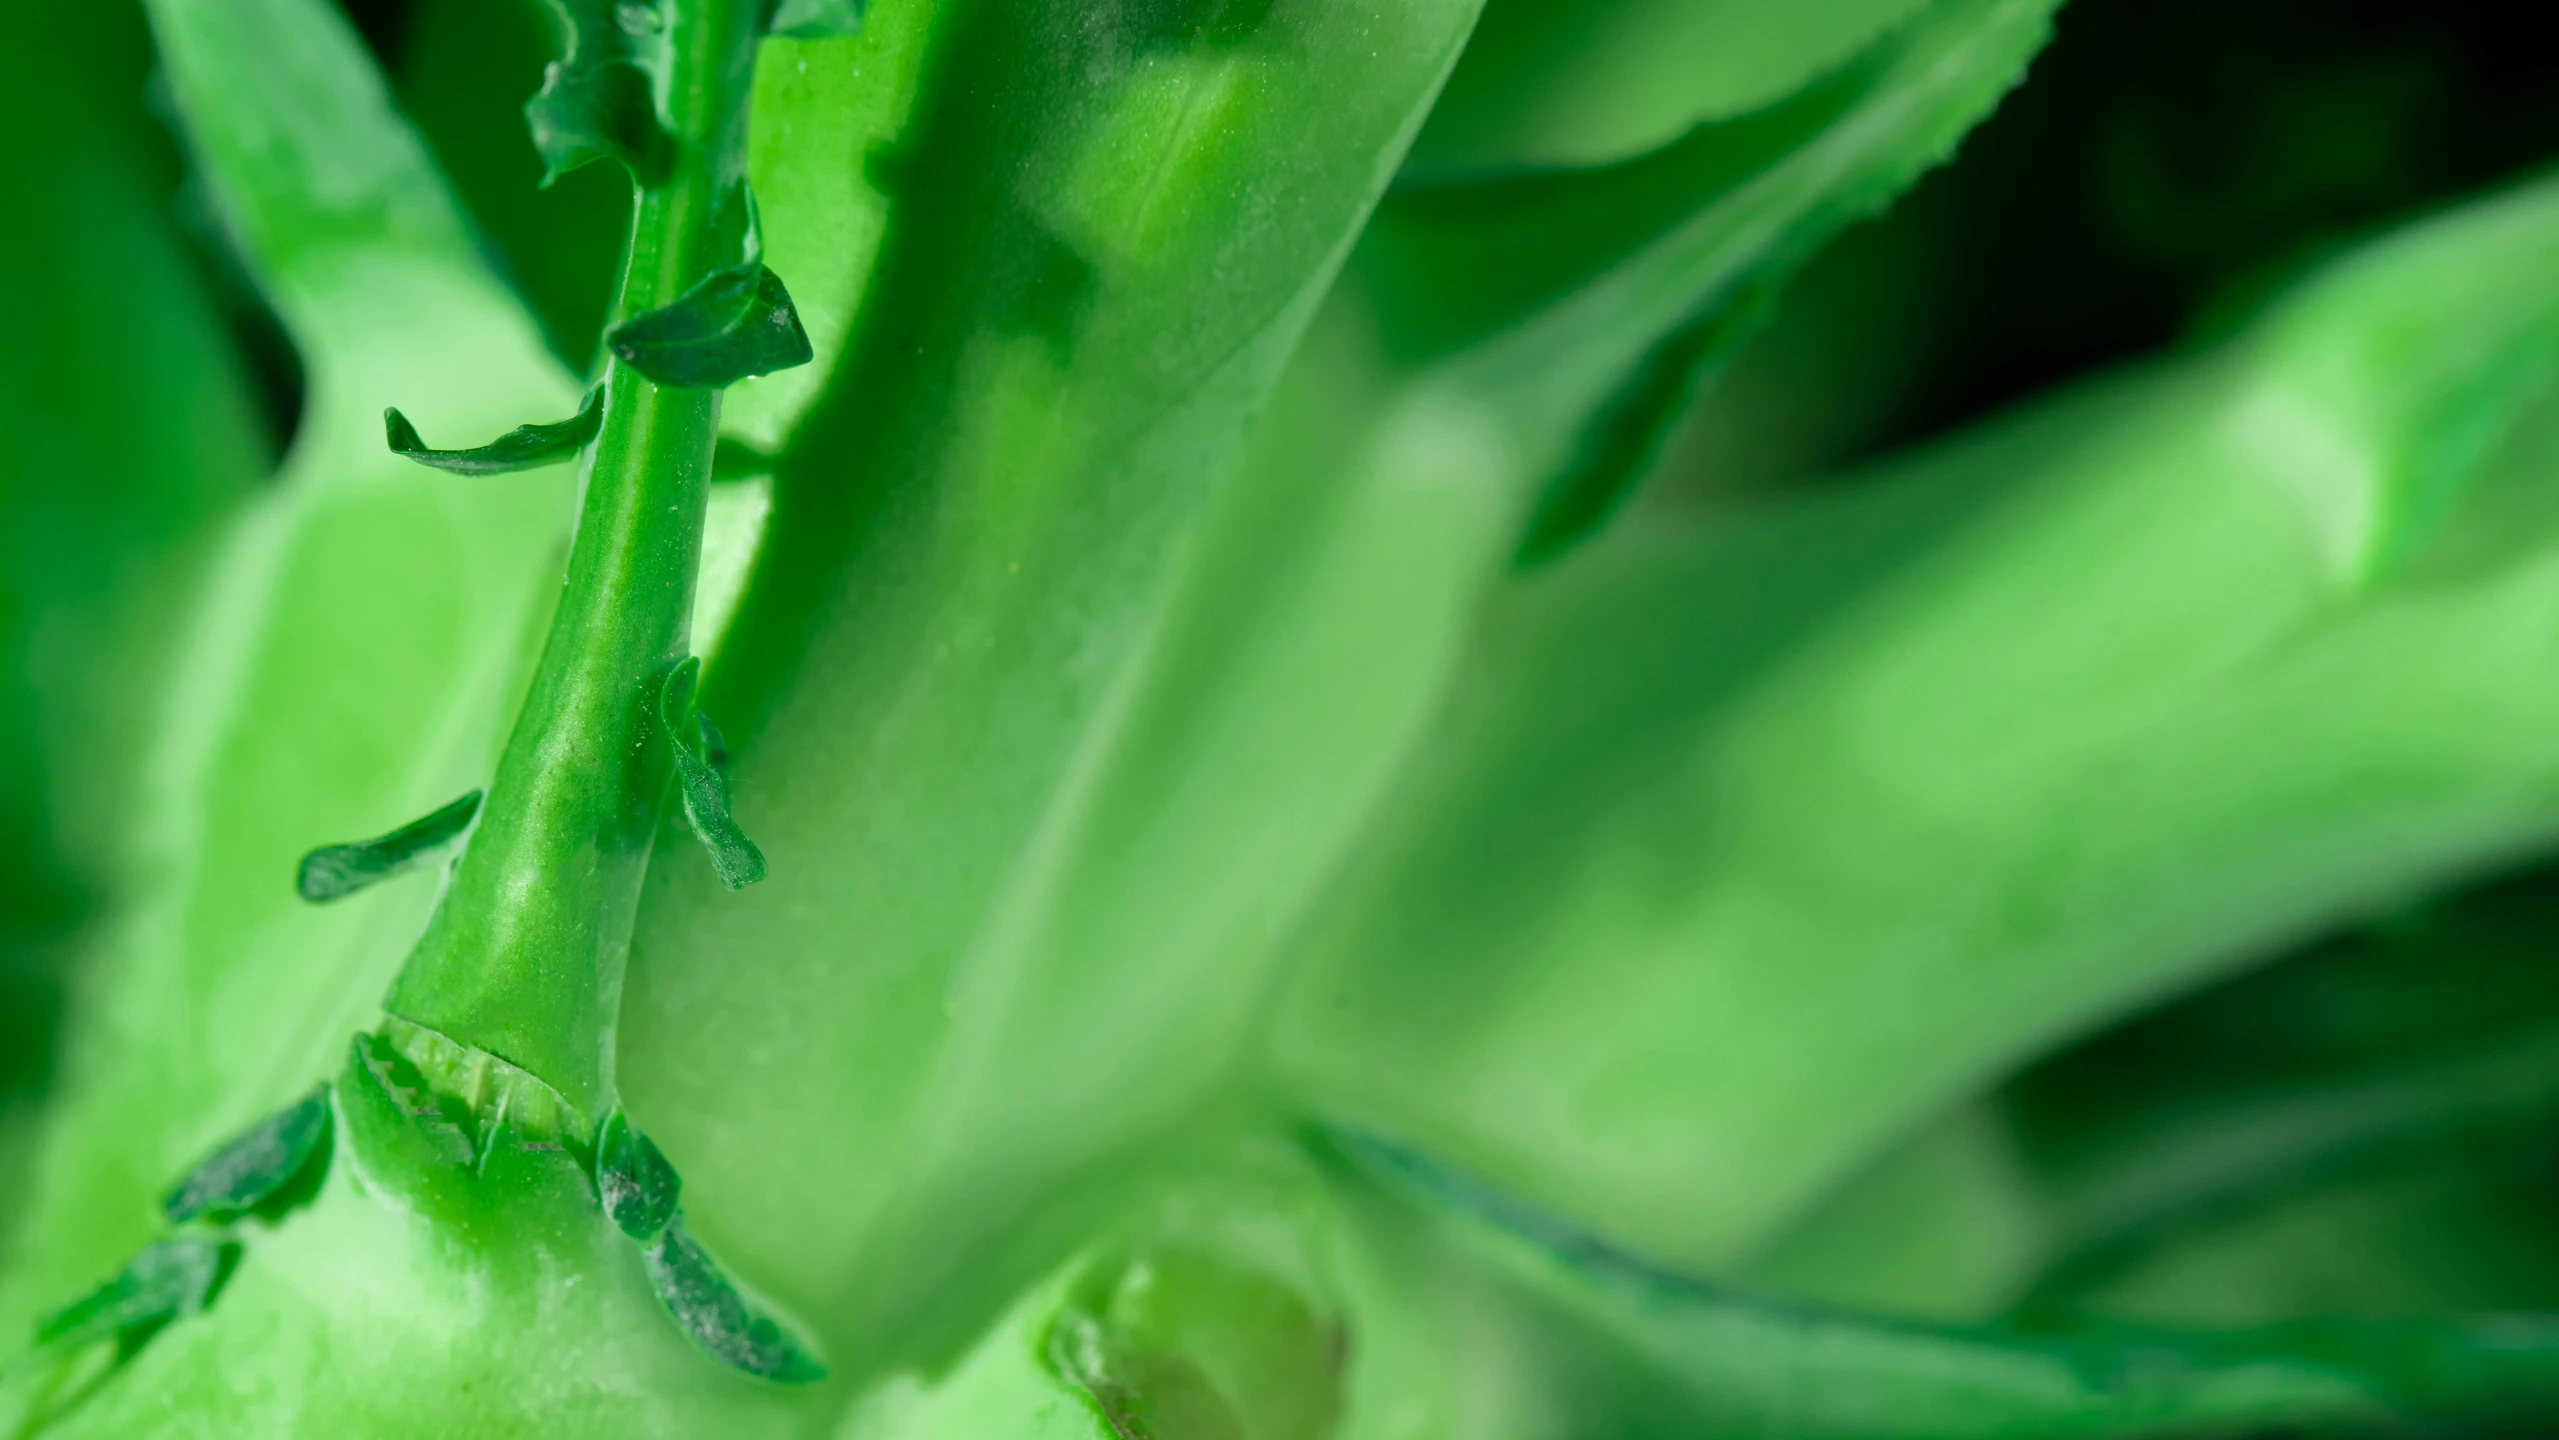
[
  {"x": 127, "y": 428},
  {"x": 1562, "y": 82},
  {"x": 1745, "y": 846},
  {"x": 351, "y": 653},
  {"x": 358, "y": 1319},
  {"x": 1080, "y": 298},
  {"x": 817, "y": 19}
]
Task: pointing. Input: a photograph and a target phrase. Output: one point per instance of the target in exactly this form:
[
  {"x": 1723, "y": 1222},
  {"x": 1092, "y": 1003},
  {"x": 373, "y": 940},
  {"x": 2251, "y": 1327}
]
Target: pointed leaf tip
[
  {"x": 260, "y": 1165},
  {"x": 735, "y": 323},
  {"x": 526, "y": 447},
  {"x": 717, "y": 1314},
  {"x": 700, "y": 752},
  {"x": 333, "y": 872}
]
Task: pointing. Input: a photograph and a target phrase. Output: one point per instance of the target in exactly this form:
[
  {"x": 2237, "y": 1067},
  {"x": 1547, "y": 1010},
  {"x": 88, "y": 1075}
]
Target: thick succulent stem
[{"x": 524, "y": 957}]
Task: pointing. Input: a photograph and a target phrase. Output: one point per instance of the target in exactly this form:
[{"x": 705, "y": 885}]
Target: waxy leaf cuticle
[{"x": 526, "y": 447}]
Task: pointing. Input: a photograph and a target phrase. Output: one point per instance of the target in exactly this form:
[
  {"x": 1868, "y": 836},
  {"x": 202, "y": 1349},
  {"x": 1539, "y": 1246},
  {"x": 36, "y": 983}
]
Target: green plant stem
[{"x": 524, "y": 956}]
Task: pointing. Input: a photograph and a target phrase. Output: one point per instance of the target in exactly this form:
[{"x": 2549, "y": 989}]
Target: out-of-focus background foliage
[{"x": 2366, "y": 1122}]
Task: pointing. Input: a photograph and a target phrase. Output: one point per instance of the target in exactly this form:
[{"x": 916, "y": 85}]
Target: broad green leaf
[
  {"x": 526, "y": 447},
  {"x": 1746, "y": 845},
  {"x": 816, "y": 104},
  {"x": 349, "y": 657},
  {"x": 1560, "y": 82},
  {"x": 126, "y": 429},
  {"x": 1081, "y": 295}
]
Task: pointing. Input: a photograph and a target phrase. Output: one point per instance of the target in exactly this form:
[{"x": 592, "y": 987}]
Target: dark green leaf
[
  {"x": 817, "y": 19},
  {"x": 597, "y": 101},
  {"x": 698, "y": 778},
  {"x": 526, "y": 447},
  {"x": 639, "y": 1187},
  {"x": 735, "y": 323},
  {"x": 335, "y": 871},
  {"x": 719, "y": 1317},
  {"x": 255, "y": 1167},
  {"x": 715, "y": 746},
  {"x": 169, "y": 1279}
]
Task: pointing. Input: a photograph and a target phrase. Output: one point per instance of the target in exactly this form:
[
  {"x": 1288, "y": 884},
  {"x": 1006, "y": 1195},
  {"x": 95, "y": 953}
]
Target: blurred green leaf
[
  {"x": 349, "y": 656},
  {"x": 1081, "y": 296},
  {"x": 127, "y": 427},
  {"x": 2406, "y": 1071},
  {"x": 1745, "y": 845},
  {"x": 1746, "y": 1365},
  {"x": 1555, "y": 82}
]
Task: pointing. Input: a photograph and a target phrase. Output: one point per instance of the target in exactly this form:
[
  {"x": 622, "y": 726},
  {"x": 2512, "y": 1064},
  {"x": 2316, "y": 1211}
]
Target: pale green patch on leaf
[
  {"x": 700, "y": 752},
  {"x": 817, "y": 19},
  {"x": 526, "y": 447},
  {"x": 272, "y": 1160},
  {"x": 711, "y": 1308},
  {"x": 599, "y": 100},
  {"x": 734, "y": 323},
  {"x": 334, "y": 872},
  {"x": 1567, "y": 82}
]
